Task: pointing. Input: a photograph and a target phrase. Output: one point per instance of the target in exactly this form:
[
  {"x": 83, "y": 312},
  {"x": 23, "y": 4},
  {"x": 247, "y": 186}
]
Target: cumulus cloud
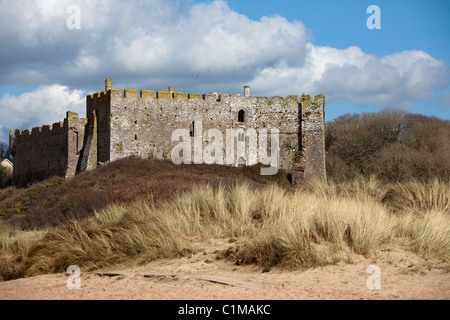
[
  {"x": 151, "y": 44},
  {"x": 141, "y": 40},
  {"x": 45, "y": 105},
  {"x": 393, "y": 81}
]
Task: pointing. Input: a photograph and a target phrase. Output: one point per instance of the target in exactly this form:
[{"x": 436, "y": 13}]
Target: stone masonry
[
  {"x": 48, "y": 150},
  {"x": 141, "y": 124}
]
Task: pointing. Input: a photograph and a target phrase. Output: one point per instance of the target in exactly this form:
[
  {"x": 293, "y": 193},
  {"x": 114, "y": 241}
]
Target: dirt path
[{"x": 403, "y": 276}]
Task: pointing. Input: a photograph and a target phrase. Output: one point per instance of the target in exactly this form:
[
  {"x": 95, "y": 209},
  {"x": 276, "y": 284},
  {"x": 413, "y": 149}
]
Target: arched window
[{"x": 241, "y": 116}]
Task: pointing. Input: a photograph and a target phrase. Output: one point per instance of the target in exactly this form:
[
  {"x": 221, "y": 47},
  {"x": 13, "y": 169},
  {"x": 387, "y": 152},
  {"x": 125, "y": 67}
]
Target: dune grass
[
  {"x": 315, "y": 225},
  {"x": 14, "y": 246},
  {"x": 418, "y": 196}
]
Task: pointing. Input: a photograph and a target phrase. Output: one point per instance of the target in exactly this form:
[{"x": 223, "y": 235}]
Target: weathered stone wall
[
  {"x": 47, "y": 151},
  {"x": 121, "y": 125},
  {"x": 88, "y": 155},
  {"x": 313, "y": 137},
  {"x": 75, "y": 139},
  {"x": 143, "y": 124},
  {"x": 99, "y": 104}
]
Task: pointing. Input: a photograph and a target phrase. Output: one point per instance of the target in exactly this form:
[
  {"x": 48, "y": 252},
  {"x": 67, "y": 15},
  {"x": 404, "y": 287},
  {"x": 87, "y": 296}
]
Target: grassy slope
[
  {"x": 27, "y": 214},
  {"x": 154, "y": 209},
  {"x": 50, "y": 203}
]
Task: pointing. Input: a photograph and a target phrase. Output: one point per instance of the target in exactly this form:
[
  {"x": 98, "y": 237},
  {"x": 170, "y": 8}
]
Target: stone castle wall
[
  {"x": 47, "y": 151},
  {"x": 141, "y": 124}
]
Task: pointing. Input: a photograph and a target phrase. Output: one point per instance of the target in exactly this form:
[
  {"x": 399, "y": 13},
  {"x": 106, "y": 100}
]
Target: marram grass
[{"x": 313, "y": 226}]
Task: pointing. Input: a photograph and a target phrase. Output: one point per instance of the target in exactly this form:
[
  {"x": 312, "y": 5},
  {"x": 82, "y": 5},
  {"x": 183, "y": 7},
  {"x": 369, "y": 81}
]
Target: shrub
[
  {"x": 395, "y": 146},
  {"x": 5, "y": 177}
]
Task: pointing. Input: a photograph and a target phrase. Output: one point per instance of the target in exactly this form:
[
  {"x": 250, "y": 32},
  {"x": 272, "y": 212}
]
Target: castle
[{"x": 121, "y": 125}]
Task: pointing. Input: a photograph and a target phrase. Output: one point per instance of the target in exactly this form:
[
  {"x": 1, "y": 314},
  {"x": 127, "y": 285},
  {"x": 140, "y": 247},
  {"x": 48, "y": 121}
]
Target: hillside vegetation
[
  {"x": 52, "y": 202},
  {"x": 5, "y": 177},
  {"x": 392, "y": 145}
]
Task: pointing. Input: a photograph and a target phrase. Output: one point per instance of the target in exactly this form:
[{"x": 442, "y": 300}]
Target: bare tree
[
  {"x": 394, "y": 145},
  {"x": 4, "y": 150}
]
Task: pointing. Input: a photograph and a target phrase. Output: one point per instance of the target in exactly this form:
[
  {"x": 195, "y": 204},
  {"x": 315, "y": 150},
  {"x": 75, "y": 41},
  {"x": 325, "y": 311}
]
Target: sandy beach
[{"x": 202, "y": 276}]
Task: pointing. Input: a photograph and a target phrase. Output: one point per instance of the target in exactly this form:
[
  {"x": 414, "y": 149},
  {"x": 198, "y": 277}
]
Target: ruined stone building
[{"x": 119, "y": 125}]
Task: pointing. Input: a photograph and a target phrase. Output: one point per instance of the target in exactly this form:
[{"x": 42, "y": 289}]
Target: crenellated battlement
[
  {"x": 147, "y": 94},
  {"x": 160, "y": 95},
  {"x": 130, "y": 93},
  {"x": 37, "y": 133},
  {"x": 101, "y": 95},
  {"x": 172, "y": 94}
]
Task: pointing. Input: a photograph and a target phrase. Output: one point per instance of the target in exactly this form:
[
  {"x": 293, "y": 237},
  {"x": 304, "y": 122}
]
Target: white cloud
[
  {"x": 45, "y": 105},
  {"x": 151, "y": 37}
]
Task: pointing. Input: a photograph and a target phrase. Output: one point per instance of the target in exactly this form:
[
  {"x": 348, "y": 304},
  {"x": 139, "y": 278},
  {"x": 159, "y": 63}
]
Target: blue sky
[
  {"x": 406, "y": 25},
  {"x": 278, "y": 47}
]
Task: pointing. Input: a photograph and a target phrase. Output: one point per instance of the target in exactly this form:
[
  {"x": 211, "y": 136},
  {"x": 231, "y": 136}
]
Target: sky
[{"x": 55, "y": 52}]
